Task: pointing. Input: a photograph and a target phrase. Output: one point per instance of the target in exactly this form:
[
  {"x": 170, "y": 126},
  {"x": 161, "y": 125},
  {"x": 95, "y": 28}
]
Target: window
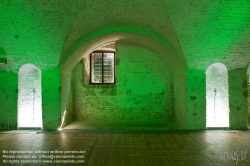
[
  {"x": 29, "y": 97},
  {"x": 102, "y": 68},
  {"x": 217, "y": 113}
]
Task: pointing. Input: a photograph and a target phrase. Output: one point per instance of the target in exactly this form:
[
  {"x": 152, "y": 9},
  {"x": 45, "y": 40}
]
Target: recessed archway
[
  {"x": 29, "y": 97},
  {"x": 79, "y": 51},
  {"x": 217, "y": 105}
]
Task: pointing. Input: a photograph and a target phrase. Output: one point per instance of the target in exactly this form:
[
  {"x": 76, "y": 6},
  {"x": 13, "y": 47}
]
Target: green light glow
[
  {"x": 142, "y": 91},
  {"x": 224, "y": 26},
  {"x": 113, "y": 29},
  {"x": 214, "y": 31}
]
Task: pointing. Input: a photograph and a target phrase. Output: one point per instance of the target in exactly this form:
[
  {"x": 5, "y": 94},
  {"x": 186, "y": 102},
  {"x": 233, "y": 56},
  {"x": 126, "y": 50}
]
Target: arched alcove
[
  {"x": 217, "y": 105},
  {"x": 141, "y": 97},
  {"x": 29, "y": 97},
  {"x": 81, "y": 50}
]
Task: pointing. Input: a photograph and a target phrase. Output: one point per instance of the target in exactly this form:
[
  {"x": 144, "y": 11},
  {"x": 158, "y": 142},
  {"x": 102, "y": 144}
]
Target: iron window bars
[{"x": 102, "y": 68}]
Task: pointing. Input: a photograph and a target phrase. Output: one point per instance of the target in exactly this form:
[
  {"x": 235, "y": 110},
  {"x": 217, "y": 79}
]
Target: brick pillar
[
  {"x": 8, "y": 100},
  {"x": 237, "y": 80},
  {"x": 195, "y": 99},
  {"x": 13, "y": 98},
  {"x": 51, "y": 94}
]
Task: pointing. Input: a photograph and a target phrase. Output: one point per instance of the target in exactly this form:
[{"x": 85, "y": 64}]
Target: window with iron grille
[{"x": 102, "y": 68}]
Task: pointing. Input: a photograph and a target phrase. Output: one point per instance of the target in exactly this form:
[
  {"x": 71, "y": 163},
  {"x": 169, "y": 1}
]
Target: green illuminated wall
[
  {"x": 8, "y": 100},
  {"x": 237, "y": 80},
  {"x": 195, "y": 99},
  {"x": 51, "y": 95},
  {"x": 50, "y": 99},
  {"x": 143, "y": 90},
  {"x": 196, "y": 34},
  {"x": 4, "y": 96},
  {"x": 212, "y": 31}
]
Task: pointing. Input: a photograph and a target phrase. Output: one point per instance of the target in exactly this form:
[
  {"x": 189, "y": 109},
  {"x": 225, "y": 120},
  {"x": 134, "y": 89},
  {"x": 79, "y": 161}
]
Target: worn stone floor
[{"x": 126, "y": 148}]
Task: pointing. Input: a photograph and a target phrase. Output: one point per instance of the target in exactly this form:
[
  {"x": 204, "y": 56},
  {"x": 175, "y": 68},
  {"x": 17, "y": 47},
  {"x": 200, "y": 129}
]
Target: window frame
[{"x": 102, "y": 52}]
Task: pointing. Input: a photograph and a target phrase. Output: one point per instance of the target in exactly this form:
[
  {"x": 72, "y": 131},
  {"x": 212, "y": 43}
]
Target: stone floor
[{"x": 126, "y": 148}]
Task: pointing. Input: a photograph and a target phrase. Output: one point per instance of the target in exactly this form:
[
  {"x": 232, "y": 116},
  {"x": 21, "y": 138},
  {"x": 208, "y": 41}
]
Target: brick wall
[
  {"x": 4, "y": 99},
  {"x": 143, "y": 90},
  {"x": 8, "y": 99},
  {"x": 237, "y": 80},
  {"x": 195, "y": 99},
  {"x": 51, "y": 95}
]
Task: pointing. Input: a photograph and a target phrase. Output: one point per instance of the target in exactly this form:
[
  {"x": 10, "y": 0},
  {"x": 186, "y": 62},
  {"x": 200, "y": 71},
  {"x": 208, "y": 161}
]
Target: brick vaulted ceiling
[
  {"x": 212, "y": 31},
  {"x": 34, "y": 31},
  {"x": 202, "y": 31}
]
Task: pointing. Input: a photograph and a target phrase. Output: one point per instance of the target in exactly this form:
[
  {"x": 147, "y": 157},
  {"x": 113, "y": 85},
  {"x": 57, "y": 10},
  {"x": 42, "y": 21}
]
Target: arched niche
[
  {"x": 85, "y": 46},
  {"x": 29, "y": 97},
  {"x": 217, "y": 105}
]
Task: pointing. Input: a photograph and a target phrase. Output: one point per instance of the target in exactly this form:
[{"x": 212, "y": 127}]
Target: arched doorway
[
  {"x": 29, "y": 97},
  {"x": 217, "y": 105}
]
